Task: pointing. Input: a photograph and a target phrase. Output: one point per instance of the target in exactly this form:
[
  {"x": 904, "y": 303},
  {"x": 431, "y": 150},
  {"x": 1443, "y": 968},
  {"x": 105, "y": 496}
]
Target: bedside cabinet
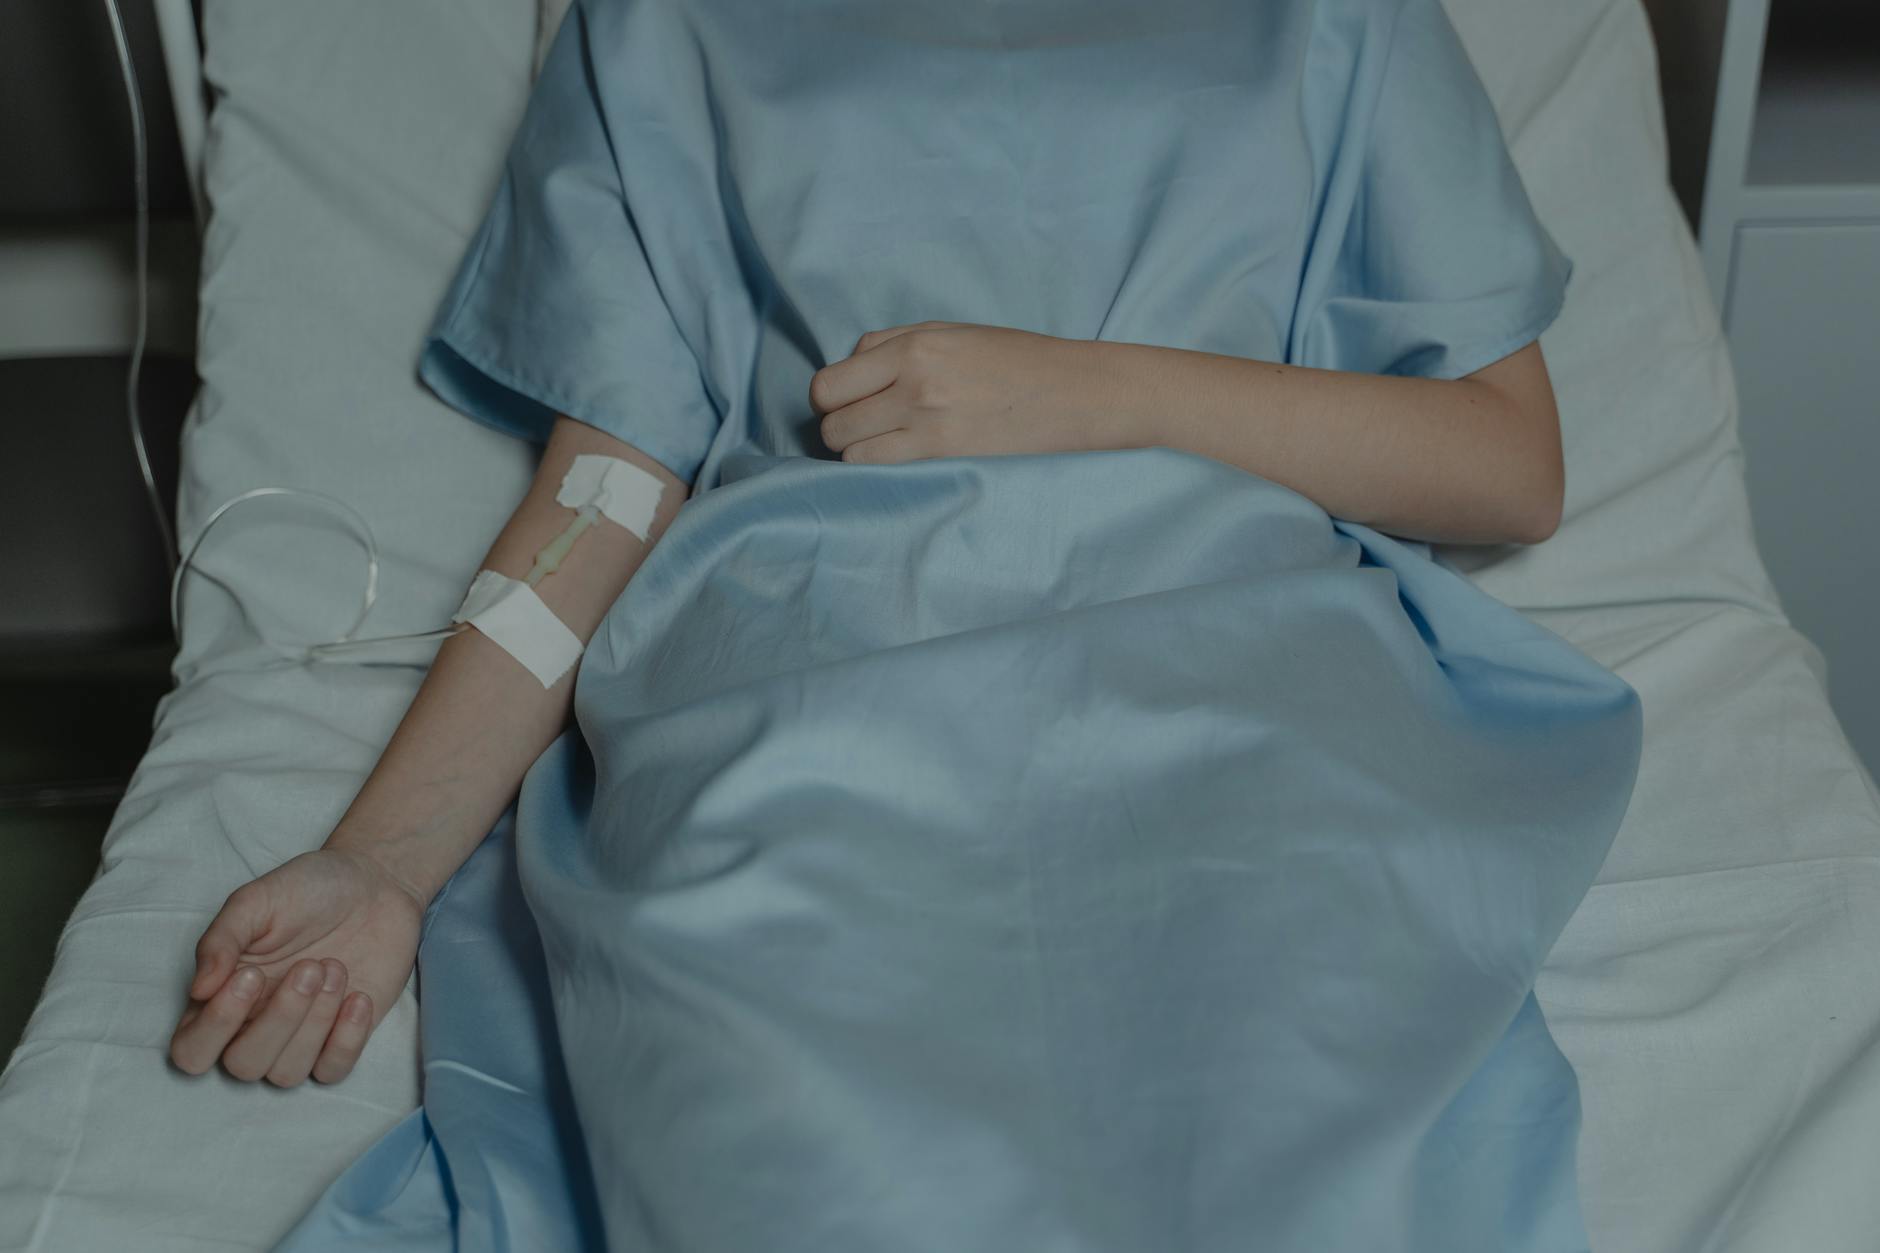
[{"x": 1790, "y": 236}]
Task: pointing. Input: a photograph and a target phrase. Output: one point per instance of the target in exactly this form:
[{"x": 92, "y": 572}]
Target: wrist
[
  {"x": 384, "y": 859},
  {"x": 1114, "y": 396}
]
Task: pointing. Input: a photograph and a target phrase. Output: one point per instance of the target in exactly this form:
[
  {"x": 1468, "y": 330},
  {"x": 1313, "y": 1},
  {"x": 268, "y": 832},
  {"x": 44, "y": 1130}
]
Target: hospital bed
[{"x": 1716, "y": 991}]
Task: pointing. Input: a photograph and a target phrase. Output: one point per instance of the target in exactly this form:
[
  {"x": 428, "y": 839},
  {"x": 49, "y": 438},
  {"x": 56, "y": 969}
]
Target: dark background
[{"x": 85, "y": 646}]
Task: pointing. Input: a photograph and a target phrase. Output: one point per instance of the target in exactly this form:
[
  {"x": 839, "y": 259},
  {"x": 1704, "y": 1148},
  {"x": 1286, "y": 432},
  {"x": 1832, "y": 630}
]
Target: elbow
[
  {"x": 1521, "y": 400},
  {"x": 1540, "y": 530},
  {"x": 1542, "y": 496},
  {"x": 1540, "y": 508}
]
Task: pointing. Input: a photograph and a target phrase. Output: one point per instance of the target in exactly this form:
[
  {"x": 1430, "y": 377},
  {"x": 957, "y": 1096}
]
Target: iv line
[{"x": 141, "y": 155}]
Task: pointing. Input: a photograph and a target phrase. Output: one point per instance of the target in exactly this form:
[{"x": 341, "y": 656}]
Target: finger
[
  {"x": 243, "y": 916},
  {"x": 887, "y": 333},
  {"x": 844, "y": 382},
  {"x": 259, "y": 1043},
  {"x": 348, "y": 1038},
  {"x": 197, "y": 1044},
  {"x": 299, "y": 1054},
  {"x": 890, "y": 449},
  {"x": 865, "y": 419}
]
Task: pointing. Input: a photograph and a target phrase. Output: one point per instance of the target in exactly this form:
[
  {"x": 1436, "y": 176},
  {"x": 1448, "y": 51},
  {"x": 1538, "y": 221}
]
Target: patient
[
  {"x": 1284, "y": 238},
  {"x": 300, "y": 964}
]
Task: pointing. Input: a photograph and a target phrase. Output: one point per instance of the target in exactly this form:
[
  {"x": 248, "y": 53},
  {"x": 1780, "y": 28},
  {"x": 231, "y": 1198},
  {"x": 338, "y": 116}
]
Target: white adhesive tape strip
[
  {"x": 622, "y": 491},
  {"x": 519, "y": 622}
]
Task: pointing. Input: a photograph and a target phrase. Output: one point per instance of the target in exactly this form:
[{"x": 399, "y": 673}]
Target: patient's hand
[
  {"x": 297, "y": 969},
  {"x": 957, "y": 389}
]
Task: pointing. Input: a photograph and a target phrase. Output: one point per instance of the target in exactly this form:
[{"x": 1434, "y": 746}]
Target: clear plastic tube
[{"x": 140, "y": 173}]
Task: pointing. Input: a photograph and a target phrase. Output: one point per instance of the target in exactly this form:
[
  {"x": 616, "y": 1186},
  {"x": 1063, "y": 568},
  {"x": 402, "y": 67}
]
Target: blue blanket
[{"x": 1098, "y": 852}]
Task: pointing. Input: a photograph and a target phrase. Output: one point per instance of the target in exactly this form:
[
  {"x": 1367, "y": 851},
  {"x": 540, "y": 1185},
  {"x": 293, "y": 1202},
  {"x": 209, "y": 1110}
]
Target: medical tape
[
  {"x": 596, "y": 486},
  {"x": 511, "y": 614},
  {"x": 622, "y": 491}
]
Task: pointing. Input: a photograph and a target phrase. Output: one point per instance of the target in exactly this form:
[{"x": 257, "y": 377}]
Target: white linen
[{"x": 1714, "y": 991}]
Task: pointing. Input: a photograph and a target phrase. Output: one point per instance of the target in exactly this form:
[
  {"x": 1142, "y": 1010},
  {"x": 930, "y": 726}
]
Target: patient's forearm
[
  {"x": 480, "y": 720},
  {"x": 1472, "y": 460},
  {"x": 1469, "y": 460}
]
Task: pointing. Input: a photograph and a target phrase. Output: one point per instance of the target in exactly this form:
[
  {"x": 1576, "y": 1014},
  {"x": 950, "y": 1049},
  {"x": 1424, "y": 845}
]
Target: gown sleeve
[
  {"x": 557, "y": 306},
  {"x": 1432, "y": 261}
]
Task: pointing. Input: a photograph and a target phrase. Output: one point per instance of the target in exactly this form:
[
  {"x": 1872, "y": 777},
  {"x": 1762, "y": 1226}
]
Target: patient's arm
[
  {"x": 349, "y": 912},
  {"x": 1472, "y": 460}
]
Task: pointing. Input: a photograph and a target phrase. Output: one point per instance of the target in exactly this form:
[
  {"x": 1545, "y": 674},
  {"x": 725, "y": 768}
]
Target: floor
[{"x": 71, "y": 731}]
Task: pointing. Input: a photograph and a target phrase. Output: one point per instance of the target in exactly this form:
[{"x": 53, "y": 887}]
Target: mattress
[{"x": 1714, "y": 990}]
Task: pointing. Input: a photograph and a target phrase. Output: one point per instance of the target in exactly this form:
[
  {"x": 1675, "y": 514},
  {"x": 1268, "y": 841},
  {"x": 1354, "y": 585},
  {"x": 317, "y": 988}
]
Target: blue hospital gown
[
  {"x": 709, "y": 200},
  {"x": 1100, "y": 852}
]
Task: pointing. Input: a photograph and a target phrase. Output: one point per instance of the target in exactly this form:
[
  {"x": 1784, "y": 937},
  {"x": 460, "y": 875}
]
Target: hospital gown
[{"x": 1083, "y": 852}]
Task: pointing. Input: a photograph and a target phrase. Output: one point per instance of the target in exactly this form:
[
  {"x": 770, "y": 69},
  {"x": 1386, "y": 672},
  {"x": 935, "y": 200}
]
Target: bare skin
[
  {"x": 1474, "y": 460},
  {"x": 300, "y": 965},
  {"x": 352, "y": 908}
]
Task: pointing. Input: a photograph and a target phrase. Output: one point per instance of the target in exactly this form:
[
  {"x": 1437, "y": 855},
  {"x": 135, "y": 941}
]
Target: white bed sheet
[{"x": 1715, "y": 991}]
